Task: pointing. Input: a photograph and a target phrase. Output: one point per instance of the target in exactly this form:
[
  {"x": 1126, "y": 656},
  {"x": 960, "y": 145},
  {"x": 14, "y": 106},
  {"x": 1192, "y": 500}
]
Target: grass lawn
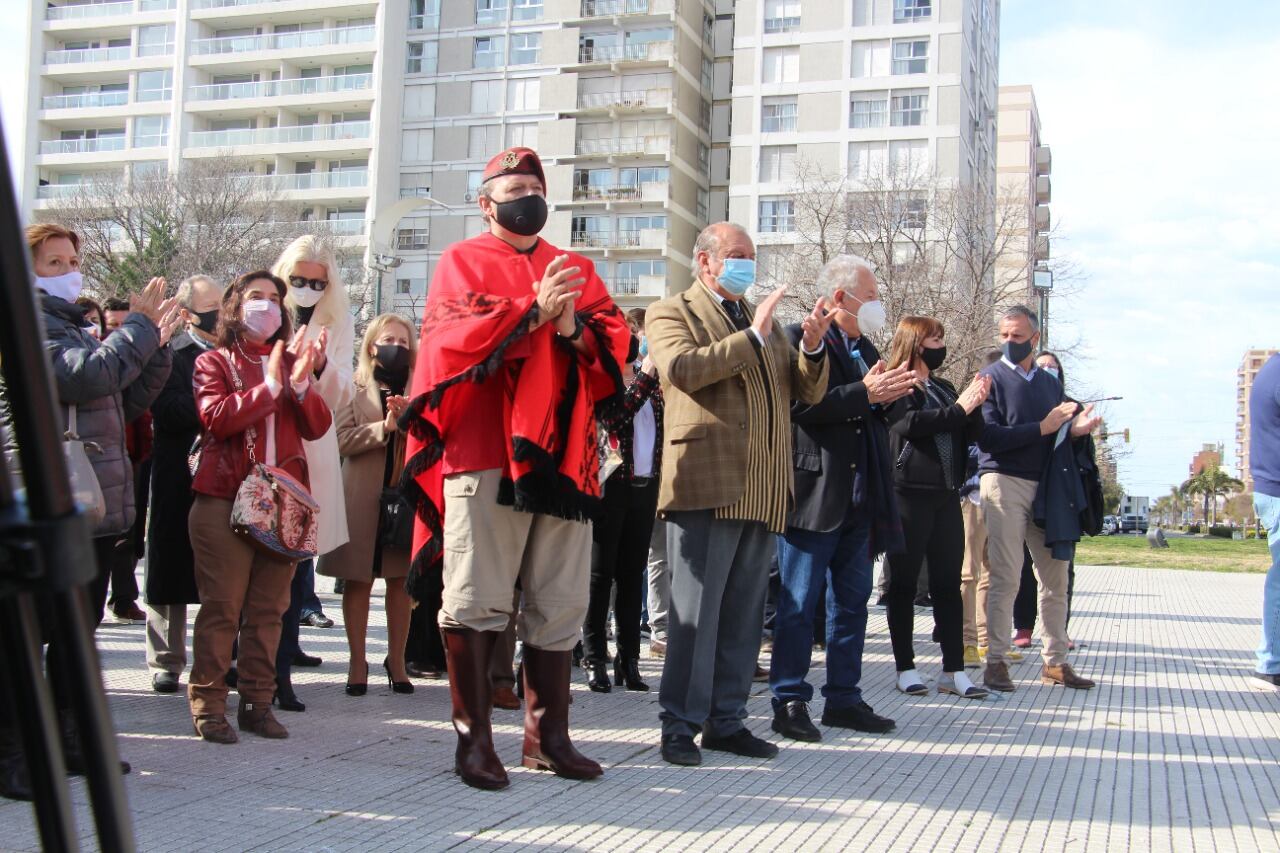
[{"x": 1206, "y": 555}]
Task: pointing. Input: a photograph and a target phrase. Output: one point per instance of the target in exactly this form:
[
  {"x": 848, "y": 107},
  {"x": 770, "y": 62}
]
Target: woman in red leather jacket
[{"x": 255, "y": 403}]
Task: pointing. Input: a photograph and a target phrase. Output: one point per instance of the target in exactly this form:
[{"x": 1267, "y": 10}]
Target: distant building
[
  {"x": 1210, "y": 456},
  {"x": 1249, "y": 367},
  {"x": 1023, "y": 164}
]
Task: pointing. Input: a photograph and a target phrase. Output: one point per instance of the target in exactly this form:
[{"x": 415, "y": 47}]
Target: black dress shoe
[
  {"x": 15, "y": 780},
  {"x": 742, "y": 742},
  {"x": 285, "y": 699},
  {"x": 422, "y": 670},
  {"x": 303, "y": 659},
  {"x": 316, "y": 620},
  {"x": 232, "y": 678},
  {"x": 599, "y": 681},
  {"x": 860, "y": 717},
  {"x": 680, "y": 749},
  {"x": 73, "y": 752},
  {"x": 165, "y": 682},
  {"x": 792, "y": 720}
]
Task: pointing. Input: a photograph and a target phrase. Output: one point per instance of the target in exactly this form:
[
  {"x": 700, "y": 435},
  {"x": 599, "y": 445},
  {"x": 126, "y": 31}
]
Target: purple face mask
[{"x": 261, "y": 318}]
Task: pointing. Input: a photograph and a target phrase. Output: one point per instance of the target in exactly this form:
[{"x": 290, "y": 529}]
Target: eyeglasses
[{"x": 313, "y": 283}]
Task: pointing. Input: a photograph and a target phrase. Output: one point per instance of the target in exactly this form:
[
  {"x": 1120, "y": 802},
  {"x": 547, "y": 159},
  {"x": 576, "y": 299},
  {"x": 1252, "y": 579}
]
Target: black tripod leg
[
  {"x": 93, "y": 718},
  {"x": 29, "y": 697}
]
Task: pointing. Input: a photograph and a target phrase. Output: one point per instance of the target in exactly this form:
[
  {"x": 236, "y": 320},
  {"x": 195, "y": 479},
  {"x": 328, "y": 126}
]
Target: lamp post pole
[
  {"x": 1042, "y": 284},
  {"x": 380, "y": 256}
]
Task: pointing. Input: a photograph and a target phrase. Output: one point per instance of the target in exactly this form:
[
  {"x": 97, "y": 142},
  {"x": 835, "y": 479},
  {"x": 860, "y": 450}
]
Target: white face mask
[
  {"x": 305, "y": 297},
  {"x": 871, "y": 316},
  {"x": 66, "y": 286}
]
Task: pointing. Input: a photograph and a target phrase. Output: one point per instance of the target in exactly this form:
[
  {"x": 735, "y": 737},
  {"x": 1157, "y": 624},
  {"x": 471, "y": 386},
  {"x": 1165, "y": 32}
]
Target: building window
[
  {"x": 526, "y": 10},
  {"x": 866, "y": 160},
  {"x": 777, "y": 163},
  {"x": 778, "y": 115},
  {"x": 868, "y": 110},
  {"x": 777, "y": 215},
  {"x": 491, "y": 11},
  {"x": 703, "y": 199},
  {"x": 422, "y": 57},
  {"x": 154, "y": 85},
  {"x": 781, "y": 65},
  {"x": 911, "y": 57},
  {"x": 909, "y": 110},
  {"x": 525, "y": 48},
  {"x": 913, "y": 213},
  {"x": 781, "y": 16},
  {"x": 412, "y": 239},
  {"x": 909, "y": 11},
  {"x": 486, "y": 96},
  {"x": 523, "y": 93},
  {"x": 404, "y": 286},
  {"x": 488, "y": 52},
  {"x": 521, "y": 134},
  {"x": 150, "y": 131},
  {"x": 483, "y": 141}
]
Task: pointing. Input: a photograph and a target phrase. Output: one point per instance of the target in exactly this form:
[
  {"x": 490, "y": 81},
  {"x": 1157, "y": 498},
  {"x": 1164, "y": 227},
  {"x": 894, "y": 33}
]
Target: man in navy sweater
[
  {"x": 1264, "y": 465},
  {"x": 1023, "y": 415}
]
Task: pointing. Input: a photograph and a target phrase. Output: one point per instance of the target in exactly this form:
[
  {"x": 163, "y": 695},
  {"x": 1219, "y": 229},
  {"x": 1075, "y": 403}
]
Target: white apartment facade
[
  {"x": 652, "y": 116},
  {"x": 1023, "y": 168}
]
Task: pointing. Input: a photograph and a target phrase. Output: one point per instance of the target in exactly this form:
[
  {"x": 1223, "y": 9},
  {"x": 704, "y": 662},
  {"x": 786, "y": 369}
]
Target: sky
[{"x": 1162, "y": 121}]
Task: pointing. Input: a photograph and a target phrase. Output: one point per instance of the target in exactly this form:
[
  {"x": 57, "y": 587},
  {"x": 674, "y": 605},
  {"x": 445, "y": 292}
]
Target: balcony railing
[
  {"x": 625, "y": 145},
  {"x": 636, "y": 99},
  {"x": 151, "y": 140},
  {"x": 336, "y": 227},
  {"x": 610, "y": 8},
  {"x": 83, "y": 146},
  {"x": 624, "y": 286},
  {"x": 279, "y": 135},
  {"x": 84, "y": 100},
  {"x": 644, "y": 51},
  {"x": 623, "y": 239},
  {"x": 283, "y": 41},
  {"x": 282, "y": 88},
  {"x": 620, "y": 192},
  {"x": 97, "y": 54},
  {"x": 87, "y": 10},
  {"x": 313, "y": 180},
  {"x": 227, "y": 4},
  {"x": 424, "y": 22},
  {"x": 58, "y": 190}
]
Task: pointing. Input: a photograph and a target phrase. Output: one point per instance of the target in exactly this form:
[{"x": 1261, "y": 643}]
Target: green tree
[
  {"x": 135, "y": 268},
  {"x": 1210, "y": 484}
]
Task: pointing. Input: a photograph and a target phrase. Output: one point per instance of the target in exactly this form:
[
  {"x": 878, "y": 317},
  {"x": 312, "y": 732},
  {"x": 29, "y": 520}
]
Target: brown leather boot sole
[
  {"x": 1065, "y": 676},
  {"x": 215, "y": 729},
  {"x": 260, "y": 721}
]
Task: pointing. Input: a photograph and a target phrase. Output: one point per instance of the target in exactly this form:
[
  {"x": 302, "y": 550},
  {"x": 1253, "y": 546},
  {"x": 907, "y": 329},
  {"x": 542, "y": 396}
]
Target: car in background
[
  {"x": 1110, "y": 525},
  {"x": 1133, "y": 523}
]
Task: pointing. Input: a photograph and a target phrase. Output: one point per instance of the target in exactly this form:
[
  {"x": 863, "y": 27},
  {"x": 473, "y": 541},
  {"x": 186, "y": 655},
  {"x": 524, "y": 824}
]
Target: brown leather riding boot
[
  {"x": 256, "y": 717},
  {"x": 546, "y": 717},
  {"x": 214, "y": 728},
  {"x": 468, "y": 654},
  {"x": 996, "y": 677},
  {"x": 1064, "y": 675}
]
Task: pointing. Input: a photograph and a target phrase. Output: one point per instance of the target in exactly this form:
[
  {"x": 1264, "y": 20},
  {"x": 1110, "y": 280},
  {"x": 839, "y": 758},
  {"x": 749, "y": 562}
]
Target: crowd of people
[{"x": 533, "y": 460}]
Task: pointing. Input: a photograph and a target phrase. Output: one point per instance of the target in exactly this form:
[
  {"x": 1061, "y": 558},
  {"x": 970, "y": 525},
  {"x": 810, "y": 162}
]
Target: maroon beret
[{"x": 515, "y": 161}]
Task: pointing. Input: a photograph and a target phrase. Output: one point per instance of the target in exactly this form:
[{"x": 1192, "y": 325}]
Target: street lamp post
[
  {"x": 1042, "y": 284},
  {"x": 380, "y": 256}
]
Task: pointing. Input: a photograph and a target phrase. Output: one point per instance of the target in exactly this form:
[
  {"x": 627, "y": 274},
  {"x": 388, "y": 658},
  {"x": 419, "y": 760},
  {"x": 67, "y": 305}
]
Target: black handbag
[{"x": 395, "y": 520}]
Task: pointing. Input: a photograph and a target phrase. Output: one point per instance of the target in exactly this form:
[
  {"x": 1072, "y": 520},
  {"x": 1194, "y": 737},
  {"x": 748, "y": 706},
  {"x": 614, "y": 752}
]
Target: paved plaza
[{"x": 1173, "y": 751}]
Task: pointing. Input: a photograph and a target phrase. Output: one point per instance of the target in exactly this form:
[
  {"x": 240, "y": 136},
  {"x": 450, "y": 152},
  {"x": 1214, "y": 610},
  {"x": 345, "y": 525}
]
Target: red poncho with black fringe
[{"x": 475, "y": 331}]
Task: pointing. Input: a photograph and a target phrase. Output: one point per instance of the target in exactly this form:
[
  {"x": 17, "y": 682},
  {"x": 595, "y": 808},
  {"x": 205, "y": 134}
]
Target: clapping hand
[
  {"x": 396, "y": 404},
  {"x": 885, "y": 386},
  {"x": 1058, "y": 416},
  {"x": 170, "y": 322},
  {"x": 152, "y": 304},
  {"x": 305, "y": 354},
  {"x": 976, "y": 393},
  {"x": 814, "y": 327},
  {"x": 556, "y": 292},
  {"x": 1085, "y": 422},
  {"x": 763, "y": 321}
]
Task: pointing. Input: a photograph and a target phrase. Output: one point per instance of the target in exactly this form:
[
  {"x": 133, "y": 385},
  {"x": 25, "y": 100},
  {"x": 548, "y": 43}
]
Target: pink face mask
[{"x": 261, "y": 318}]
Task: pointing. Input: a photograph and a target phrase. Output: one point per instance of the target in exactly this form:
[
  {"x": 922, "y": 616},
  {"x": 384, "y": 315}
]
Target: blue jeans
[
  {"x": 305, "y": 591},
  {"x": 1268, "y": 509},
  {"x": 804, "y": 558}
]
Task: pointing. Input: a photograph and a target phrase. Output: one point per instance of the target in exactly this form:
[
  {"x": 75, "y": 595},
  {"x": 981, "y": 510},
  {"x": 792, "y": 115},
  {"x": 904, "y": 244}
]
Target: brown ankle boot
[
  {"x": 214, "y": 728},
  {"x": 996, "y": 677},
  {"x": 546, "y": 717},
  {"x": 256, "y": 717},
  {"x": 470, "y": 690},
  {"x": 1064, "y": 675}
]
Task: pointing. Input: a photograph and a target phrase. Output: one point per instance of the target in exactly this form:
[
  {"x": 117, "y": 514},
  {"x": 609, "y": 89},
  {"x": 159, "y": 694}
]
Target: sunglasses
[{"x": 313, "y": 283}]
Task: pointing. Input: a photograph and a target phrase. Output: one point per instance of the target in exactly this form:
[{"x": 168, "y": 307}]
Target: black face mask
[
  {"x": 304, "y": 313},
  {"x": 1016, "y": 352},
  {"x": 392, "y": 366},
  {"x": 933, "y": 358},
  {"x": 208, "y": 320},
  {"x": 524, "y": 216}
]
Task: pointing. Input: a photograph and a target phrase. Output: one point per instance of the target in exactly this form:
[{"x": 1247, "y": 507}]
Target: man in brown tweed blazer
[{"x": 728, "y": 375}]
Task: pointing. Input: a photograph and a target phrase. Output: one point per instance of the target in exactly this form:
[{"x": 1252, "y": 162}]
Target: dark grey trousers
[{"x": 719, "y": 575}]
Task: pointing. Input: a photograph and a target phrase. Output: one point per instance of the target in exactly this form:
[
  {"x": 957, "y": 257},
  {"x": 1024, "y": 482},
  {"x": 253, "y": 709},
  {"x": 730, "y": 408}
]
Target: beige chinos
[
  {"x": 487, "y": 547},
  {"x": 975, "y": 574}
]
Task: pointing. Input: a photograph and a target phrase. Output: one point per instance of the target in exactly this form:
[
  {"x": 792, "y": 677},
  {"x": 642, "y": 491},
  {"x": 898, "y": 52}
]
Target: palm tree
[{"x": 1211, "y": 483}]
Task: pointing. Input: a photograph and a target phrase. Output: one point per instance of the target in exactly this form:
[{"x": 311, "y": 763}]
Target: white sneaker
[{"x": 959, "y": 684}]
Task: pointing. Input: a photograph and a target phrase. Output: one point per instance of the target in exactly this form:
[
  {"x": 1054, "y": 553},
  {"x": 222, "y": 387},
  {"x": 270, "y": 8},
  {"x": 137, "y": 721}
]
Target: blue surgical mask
[
  {"x": 644, "y": 347},
  {"x": 1053, "y": 371},
  {"x": 738, "y": 275}
]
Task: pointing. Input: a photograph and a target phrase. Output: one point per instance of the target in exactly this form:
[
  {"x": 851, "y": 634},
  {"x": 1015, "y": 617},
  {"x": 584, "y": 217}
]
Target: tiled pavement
[{"x": 1172, "y": 752}]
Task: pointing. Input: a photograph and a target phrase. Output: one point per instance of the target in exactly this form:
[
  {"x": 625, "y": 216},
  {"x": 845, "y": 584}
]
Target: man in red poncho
[{"x": 519, "y": 342}]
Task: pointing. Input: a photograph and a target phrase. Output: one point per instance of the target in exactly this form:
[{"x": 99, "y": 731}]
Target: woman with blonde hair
[
  {"x": 372, "y": 449},
  {"x": 930, "y": 431},
  {"x": 317, "y": 304}
]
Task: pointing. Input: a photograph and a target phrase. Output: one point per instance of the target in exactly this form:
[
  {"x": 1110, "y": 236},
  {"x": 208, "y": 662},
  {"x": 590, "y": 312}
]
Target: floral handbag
[{"x": 272, "y": 510}]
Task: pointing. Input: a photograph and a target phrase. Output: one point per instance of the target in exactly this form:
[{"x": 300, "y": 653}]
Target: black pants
[
  {"x": 425, "y": 646},
  {"x": 290, "y": 622},
  {"x": 1026, "y": 604},
  {"x": 934, "y": 528},
  {"x": 619, "y": 553}
]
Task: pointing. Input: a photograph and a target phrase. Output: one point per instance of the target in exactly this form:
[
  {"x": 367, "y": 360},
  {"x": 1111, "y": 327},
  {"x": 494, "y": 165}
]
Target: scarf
[{"x": 472, "y": 319}]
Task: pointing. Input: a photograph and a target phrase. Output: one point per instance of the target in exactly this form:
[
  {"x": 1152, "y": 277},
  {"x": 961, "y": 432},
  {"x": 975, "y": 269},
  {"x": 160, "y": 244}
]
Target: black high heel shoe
[
  {"x": 396, "y": 686},
  {"x": 626, "y": 672},
  {"x": 361, "y": 688},
  {"x": 599, "y": 680},
  {"x": 285, "y": 699}
]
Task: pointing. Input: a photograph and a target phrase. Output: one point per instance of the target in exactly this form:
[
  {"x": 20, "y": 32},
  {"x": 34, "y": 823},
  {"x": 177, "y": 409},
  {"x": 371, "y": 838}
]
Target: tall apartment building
[
  {"x": 1209, "y": 456},
  {"x": 653, "y": 117},
  {"x": 857, "y": 87},
  {"x": 289, "y": 89},
  {"x": 1250, "y": 364},
  {"x": 1023, "y": 165}
]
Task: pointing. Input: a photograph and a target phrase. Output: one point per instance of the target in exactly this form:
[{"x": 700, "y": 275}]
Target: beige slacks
[
  {"x": 487, "y": 547},
  {"x": 975, "y": 574},
  {"x": 1006, "y": 503}
]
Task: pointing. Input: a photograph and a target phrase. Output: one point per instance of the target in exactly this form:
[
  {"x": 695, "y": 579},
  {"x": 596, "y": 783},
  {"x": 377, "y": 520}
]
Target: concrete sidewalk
[{"x": 1172, "y": 751}]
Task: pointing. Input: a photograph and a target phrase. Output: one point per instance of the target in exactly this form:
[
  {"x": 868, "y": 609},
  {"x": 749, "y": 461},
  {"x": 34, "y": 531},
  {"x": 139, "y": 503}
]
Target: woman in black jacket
[{"x": 930, "y": 431}]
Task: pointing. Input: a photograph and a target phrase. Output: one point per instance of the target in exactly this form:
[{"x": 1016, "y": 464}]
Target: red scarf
[{"x": 475, "y": 326}]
